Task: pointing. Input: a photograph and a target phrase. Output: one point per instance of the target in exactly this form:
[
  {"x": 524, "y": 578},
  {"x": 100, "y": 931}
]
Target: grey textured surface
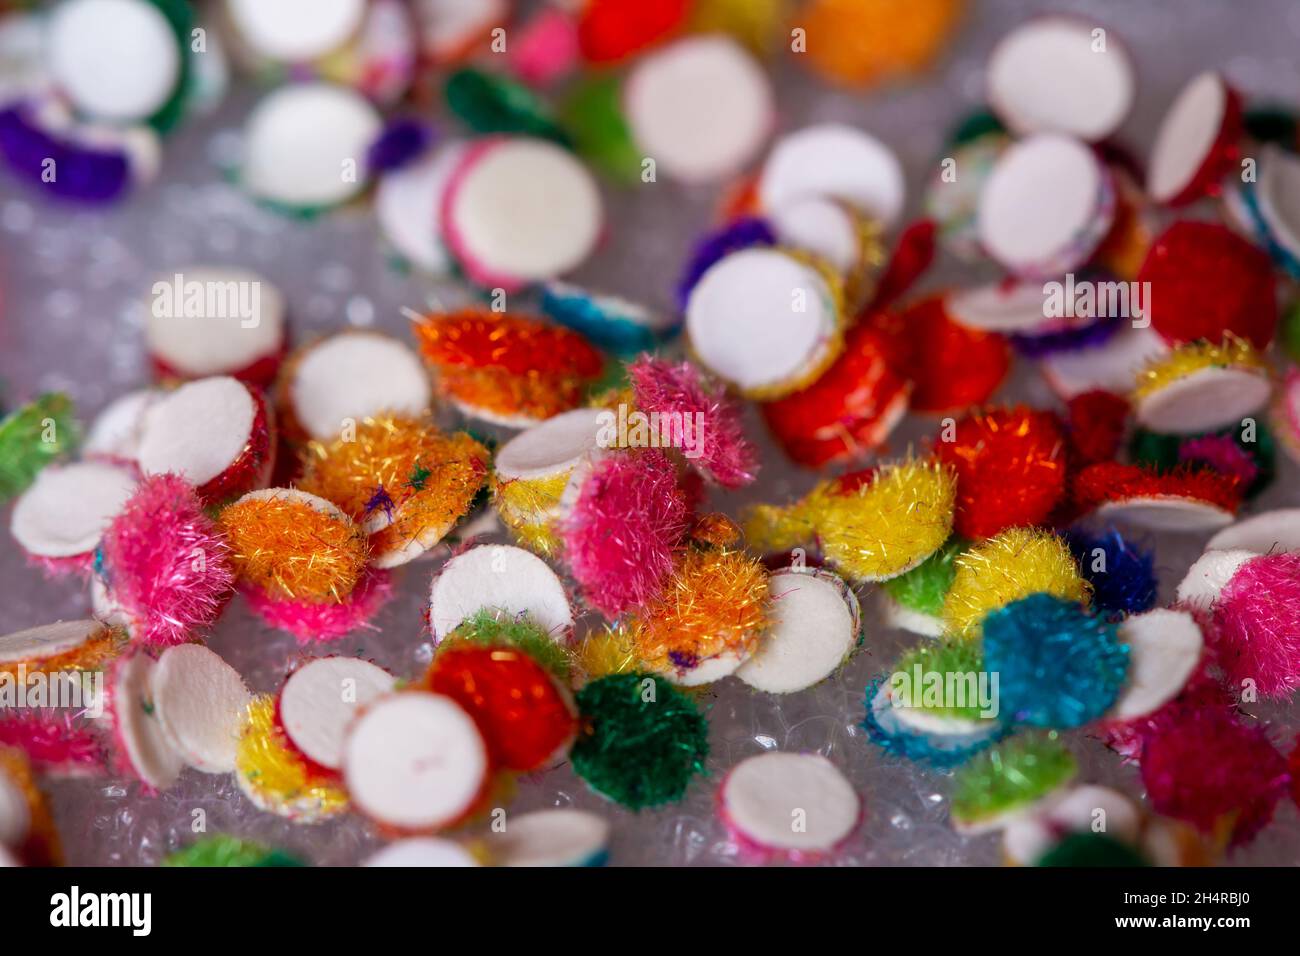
[{"x": 72, "y": 284}]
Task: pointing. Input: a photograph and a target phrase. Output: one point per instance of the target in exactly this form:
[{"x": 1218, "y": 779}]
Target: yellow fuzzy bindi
[{"x": 1009, "y": 566}]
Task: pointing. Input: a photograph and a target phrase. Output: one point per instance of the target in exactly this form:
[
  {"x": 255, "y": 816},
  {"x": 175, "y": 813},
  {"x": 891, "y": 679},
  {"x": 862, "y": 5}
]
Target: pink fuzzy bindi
[
  {"x": 1256, "y": 626},
  {"x": 165, "y": 562},
  {"x": 628, "y": 521},
  {"x": 721, "y": 450},
  {"x": 1209, "y": 766},
  {"x": 54, "y": 741},
  {"x": 1222, "y": 454},
  {"x": 325, "y": 621}
]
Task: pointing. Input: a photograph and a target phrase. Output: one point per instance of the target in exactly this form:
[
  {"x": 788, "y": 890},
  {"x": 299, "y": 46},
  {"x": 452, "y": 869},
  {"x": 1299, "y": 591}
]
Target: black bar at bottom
[{"x": 298, "y": 906}]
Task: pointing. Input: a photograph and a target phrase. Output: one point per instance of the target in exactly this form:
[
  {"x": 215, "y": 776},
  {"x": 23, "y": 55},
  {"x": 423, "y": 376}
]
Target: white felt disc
[
  {"x": 820, "y": 225},
  {"x": 354, "y": 376},
  {"x": 835, "y": 160},
  {"x": 562, "y": 837},
  {"x": 1077, "y": 810},
  {"x": 415, "y": 761},
  {"x": 699, "y": 107},
  {"x": 201, "y": 702},
  {"x": 787, "y": 801},
  {"x": 1266, "y": 533},
  {"x": 578, "y": 480},
  {"x": 296, "y": 30},
  {"x": 940, "y": 732},
  {"x": 214, "y": 320},
  {"x": 1084, "y": 809},
  {"x": 908, "y": 619},
  {"x": 319, "y": 700},
  {"x": 1164, "y": 648},
  {"x": 1112, "y": 366},
  {"x": 1237, "y": 214},
  {"x": 515, "y": 422},
  {"x": 115, "y": 432},
  {"x": 116, "y": 60},
  {"x": 423, "y": 852},
  {"x": 813, "y": 629},
  {"x": 198, "y": 430},
  {"x": 1210, "y": 574},
  {"x": 708, "y": 670},
  {"x": 142, "y": 146},
  {"x": 479, "y": 525},
  {"x": 1187, "y": 136},
  {"x": 1279, "y": 197},
  {"x": 46, "y": 641},
  {"x": 935, "y": 726},
  {"x": 1167, "y": 513},
  {"x": 953, "y": 202},
  {"x": 521, "y": 210},
  {"x": 1039, "y": 209},
  {"x": 23, "y": 69},
  {"x": 760, "y": 319},
  {"x": 1168, "y": 842},
  {"x": 449, "y": 27},
  {"x": 15, "y": 815},
  {"x": 305, "y": 145},
  {"x": 410, "y": 548},
  {"x": 106, "y": 608},
  {"x": 1049, "y": 76},
  {"x": 135, "y": 720},
  {"x": 65, "y": 511},
  {"x": 1205, "y": 400},
  {"x": 554, "y": 447},
  {"x": 408, "y": 207},
  {"x": 1001, "y": 307},
  {"x": 501, "y": 578}
]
